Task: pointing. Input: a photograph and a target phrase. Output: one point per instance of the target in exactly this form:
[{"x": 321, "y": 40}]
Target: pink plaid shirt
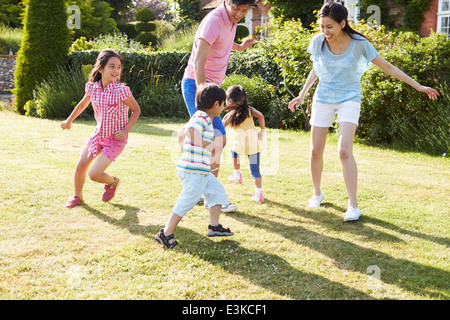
[{"x": 111, "y": 113}]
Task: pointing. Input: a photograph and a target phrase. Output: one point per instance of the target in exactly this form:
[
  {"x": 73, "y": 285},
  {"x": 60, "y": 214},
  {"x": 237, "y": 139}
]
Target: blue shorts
[
  {"x": 189, "y": 89},
  {"x": 254, "y": 160},
  {"x": 196, "y": 184}
]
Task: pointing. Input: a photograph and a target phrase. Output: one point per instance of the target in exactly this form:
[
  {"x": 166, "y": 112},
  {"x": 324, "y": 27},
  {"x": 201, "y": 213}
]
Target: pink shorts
[{"x": 110, "y": 147}]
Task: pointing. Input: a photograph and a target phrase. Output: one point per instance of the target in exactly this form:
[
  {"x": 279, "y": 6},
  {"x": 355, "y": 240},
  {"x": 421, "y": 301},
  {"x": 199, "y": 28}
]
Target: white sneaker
[
  {"x": 229, "y": 208},
  {"x": 236, "y": 177},
  {"x": 314, "y": 201},
  {"x": 352, "y": 214},
  {"x": 258, "y": 197},
  {"x": 225, "y": 208}
]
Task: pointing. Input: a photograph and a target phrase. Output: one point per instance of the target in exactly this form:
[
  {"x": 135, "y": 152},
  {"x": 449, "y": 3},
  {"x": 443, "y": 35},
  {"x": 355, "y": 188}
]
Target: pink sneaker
[
  {"x": 74, "y": 201},
  {"x": 258, "y": 197},
  {"x": 110, "y": 190},
  {"x": 236, "y": 178}
]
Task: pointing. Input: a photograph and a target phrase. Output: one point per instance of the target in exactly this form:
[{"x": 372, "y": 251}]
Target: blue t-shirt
[{"x": 340, "y": 75}]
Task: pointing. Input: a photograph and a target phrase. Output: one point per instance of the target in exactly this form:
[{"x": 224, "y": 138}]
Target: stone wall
[{"x": 7, "y": 64}]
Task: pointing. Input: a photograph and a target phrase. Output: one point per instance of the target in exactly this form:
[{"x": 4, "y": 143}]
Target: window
[
  {"x": 445, "y": 6},
  {"x": 443, "y": 24}
]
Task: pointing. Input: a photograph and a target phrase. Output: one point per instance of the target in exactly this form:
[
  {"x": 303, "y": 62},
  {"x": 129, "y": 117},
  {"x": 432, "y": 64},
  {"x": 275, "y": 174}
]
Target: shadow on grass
[
  {"x": 266, "y": 270},
  {"x": 263, "y": 269},
  {"x": 412, "y": 276},
  {"x": 129, "y": 221}
]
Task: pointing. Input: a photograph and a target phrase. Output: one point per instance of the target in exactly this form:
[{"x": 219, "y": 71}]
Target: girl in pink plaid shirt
[{"x": 110, "y": 100}]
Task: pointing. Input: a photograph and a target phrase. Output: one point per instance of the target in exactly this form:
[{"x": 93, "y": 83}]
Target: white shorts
[{"x": 322, "y": 114}]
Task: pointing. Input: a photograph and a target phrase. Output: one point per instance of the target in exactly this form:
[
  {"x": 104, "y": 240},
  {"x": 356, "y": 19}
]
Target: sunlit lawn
[{"x": 281, "y": 249}]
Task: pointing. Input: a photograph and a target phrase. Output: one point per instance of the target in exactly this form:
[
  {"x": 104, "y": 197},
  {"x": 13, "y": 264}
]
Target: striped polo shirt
[{"x": 195, "y": 158}]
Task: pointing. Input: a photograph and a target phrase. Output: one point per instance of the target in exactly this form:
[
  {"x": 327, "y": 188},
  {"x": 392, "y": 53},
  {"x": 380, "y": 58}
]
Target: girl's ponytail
[{"x": 238, "y": 106}]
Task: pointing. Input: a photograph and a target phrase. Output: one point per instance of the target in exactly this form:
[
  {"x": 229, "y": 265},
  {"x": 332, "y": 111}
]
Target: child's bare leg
[
  {"x": 258, "y": 183},
  {"x": 97, "y": 172},
  {"x": 80, "y": 172},
  {"x": 171, "y": 224},
  {"x": 214, "y": 213},
  {"x": 236, "y": 164}
]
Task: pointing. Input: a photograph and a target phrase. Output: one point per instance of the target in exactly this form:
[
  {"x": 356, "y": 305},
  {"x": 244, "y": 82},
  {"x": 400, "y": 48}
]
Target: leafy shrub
[
  {"x": 386, "y": 99},
  {"x": 269, "y": 100},
  {"x": 43, "y": 47},
  {"x": 138, "y": 68},
  {"x": 163, "y": 29},
  {"x": 182, "y": 40},
  {"x": 145, "y": 27},
  {"x": 241, "y": 32},
  {"x": 118, "y": 41},
  {"x": 259, "y": 92},
  {"x": 9, "y": 39},
  {"x": 127, "y": 28},
  {"x": 428, "y": 131},
  {"x": 162, "y": 98},
  {"x": 57, "y": 96},
  {"x": 95, "y": 18}
]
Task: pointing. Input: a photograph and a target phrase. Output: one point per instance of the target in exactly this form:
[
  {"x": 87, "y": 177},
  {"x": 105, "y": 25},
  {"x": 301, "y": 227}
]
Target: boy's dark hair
[
  {"x": 207, "y": 94},
  {"x": 244, "y": 2}
]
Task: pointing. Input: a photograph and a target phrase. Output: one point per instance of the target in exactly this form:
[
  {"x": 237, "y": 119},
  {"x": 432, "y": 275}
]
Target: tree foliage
[
  {"x": 145, "y": 27},
  {"x": 95, "y": 18},
  {"x": 10, "y": 11},
  {"x": 295, "y": 9},
  {"x": 44, "y": 45},
  {"x": 410, "y": 18}
]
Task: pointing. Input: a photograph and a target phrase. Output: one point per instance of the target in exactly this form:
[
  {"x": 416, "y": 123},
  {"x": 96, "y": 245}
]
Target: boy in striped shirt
[{"x": 194, "y": 167}]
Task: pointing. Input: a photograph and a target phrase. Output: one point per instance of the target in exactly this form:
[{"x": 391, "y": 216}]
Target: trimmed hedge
[
  {"x": 45, "y": 45},
  {"x": 140, "y": 67}
]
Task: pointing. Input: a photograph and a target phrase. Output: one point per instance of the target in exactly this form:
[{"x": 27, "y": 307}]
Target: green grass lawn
[{"x": 399, "y": 249}]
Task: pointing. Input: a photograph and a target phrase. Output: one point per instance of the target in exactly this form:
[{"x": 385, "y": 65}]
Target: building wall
[{"x": 430, "y": 21}]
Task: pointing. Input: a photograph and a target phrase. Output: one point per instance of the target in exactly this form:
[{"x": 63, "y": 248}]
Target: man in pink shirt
[{"x": 209, "y": 60}]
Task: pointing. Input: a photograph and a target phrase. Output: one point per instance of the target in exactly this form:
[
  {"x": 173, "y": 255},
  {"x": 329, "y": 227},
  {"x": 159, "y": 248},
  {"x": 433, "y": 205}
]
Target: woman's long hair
[
  {"x": 102, "y": 60},
  {"x": 338, "y": 13},
  {"x": 238, "y": 106}
]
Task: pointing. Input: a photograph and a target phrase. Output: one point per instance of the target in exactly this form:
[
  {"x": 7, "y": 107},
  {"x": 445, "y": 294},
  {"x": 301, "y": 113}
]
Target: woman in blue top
[{"x": 340, "y": 56}]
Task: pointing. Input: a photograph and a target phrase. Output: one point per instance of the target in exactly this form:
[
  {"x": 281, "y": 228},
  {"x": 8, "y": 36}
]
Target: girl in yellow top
[{"x": 248, "y": 141}]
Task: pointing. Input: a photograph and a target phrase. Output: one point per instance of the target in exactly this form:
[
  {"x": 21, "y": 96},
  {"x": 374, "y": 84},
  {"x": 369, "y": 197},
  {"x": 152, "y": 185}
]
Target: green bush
[
  {"x": 386, "y": 99},
  {"x": 45, "y": 45},
  {"x": 145, "y": 27},
  {"x": 427, "y": 131},
  {"x": 147, "y": 38},
  {"x": 57, "y": 96},
  {"x": 145, "y": 15},
  {"x": 127, "y": 28},
  {"x": 269, "y": 100},
  {"x": 95, "y": 18},
  {"x": 138, "y": 68},
  {"x": 118, "y": 41},
  {"x": 9, "y": 39},
  {"x": 259, "y": 92},
  {"x": 241, "y": 32},
  {"x": 182, "y": 40},
  {"x": 162, "y": 98}
]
